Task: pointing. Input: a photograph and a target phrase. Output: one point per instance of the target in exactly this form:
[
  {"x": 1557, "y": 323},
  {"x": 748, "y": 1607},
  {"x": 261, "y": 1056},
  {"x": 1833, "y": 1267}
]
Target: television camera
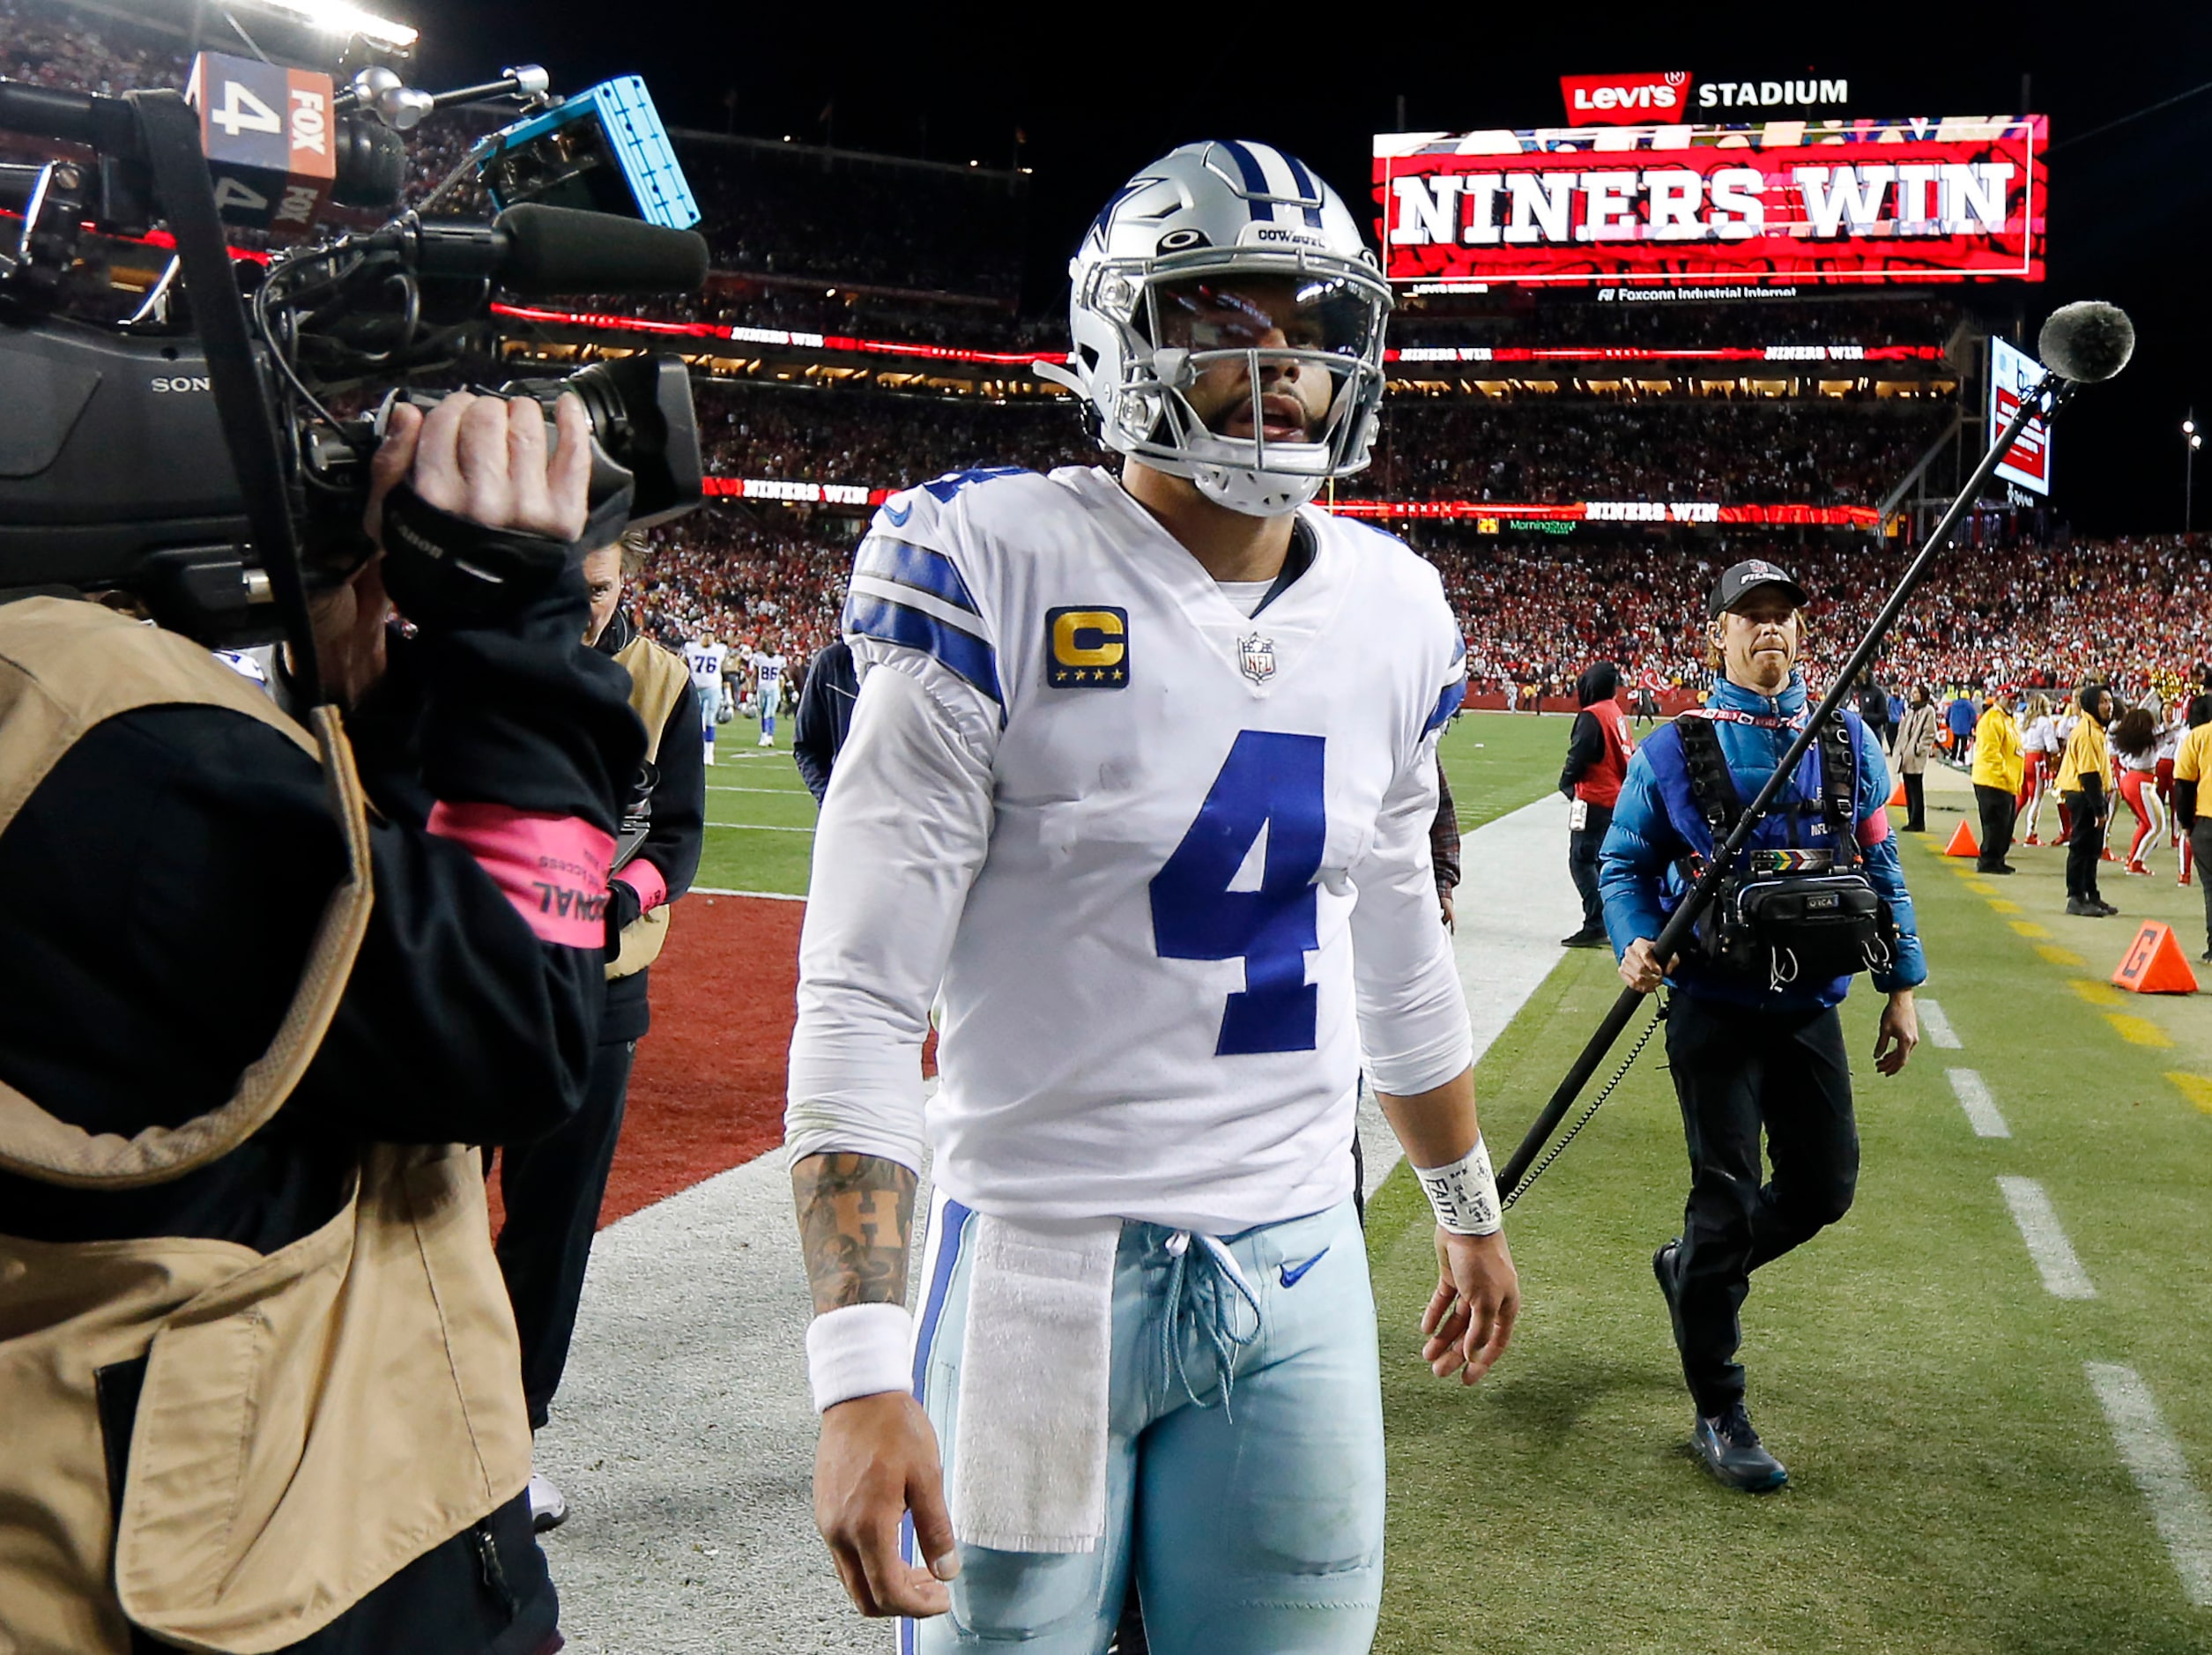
[{"x": 191, "y": 425}]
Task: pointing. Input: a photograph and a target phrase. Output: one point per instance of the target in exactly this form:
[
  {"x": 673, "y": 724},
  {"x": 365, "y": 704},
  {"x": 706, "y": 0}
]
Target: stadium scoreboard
[
  {"x": 1783, "y": 201},
  {"x": 2013, "y": 374}
]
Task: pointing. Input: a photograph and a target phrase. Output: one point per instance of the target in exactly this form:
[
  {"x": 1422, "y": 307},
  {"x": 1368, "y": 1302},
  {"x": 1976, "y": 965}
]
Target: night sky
[{"x": 2130, "y": 216}]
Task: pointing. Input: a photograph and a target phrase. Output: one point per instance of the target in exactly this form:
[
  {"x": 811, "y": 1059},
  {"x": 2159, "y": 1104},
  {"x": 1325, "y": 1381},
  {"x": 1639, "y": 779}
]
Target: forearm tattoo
[{"x": 855, "y": 1214}]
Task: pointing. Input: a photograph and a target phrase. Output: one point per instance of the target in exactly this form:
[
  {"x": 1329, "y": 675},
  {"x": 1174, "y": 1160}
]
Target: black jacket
[{"x": 825, "y": 715}]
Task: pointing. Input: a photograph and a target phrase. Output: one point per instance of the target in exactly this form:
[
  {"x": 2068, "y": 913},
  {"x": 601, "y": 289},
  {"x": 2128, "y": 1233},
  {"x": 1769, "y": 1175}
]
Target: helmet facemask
[{"x": 1216, "y": 347}]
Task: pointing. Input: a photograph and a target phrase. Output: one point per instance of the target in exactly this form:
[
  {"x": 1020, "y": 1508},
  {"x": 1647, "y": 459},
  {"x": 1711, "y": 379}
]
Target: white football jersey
[
  {"x": 769, "y": 671},
  {"x": 706, "y": 661},
  {"x": 1174, "y": 876}
]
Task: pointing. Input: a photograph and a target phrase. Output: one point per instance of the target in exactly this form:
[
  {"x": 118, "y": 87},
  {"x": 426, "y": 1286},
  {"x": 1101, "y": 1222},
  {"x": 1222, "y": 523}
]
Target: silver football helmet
[{"x": 1227, "y": 324}]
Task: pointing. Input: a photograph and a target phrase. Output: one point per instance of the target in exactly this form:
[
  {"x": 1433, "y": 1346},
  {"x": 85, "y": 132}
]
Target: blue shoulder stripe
[
  {"x": 868, "y": 616},
  {"x": 1447, "y": 704},
  {"x": 919, "y": 567}
]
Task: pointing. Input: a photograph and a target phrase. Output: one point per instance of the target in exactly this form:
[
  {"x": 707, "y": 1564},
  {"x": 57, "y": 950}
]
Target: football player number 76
[{"x": 1207, "y": 904}]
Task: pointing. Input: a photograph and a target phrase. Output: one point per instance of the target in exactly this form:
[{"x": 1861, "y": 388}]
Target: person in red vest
[{"x": 1598, "y": 751}]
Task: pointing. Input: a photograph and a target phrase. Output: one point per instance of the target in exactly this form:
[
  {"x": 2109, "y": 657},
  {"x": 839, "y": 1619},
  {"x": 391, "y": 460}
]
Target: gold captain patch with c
[{"x": 1087, "y": 647}]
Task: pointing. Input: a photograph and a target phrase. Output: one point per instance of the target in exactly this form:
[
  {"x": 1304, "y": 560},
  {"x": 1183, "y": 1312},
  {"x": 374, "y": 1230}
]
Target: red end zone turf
[{"x": 707, "y": 1091}]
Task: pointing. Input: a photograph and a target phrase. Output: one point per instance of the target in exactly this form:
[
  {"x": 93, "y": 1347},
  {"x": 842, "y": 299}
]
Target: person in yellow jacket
[
  {"x": 2081, "y": 773},
  {"x": 2000, "y": 763},
  {"x": 2191, "y": 769}
]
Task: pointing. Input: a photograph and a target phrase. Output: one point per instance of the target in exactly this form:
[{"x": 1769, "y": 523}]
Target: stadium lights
[
  {"x": 2189, "y": 469},
  {"x": 335, "y": 17}
]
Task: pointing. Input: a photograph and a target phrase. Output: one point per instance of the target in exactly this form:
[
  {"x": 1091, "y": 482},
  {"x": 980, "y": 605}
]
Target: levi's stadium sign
[{"x": 1959, "y": 198}]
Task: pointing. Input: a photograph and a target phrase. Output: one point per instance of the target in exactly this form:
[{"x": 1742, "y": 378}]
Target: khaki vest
[
  {"x": 656, "y": 680},
  {"x": 312, "y": 1420}
]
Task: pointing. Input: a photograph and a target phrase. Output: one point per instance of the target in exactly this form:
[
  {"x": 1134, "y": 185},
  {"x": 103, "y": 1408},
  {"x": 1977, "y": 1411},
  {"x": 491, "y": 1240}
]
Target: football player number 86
[{"x": 1207, "y": 905}]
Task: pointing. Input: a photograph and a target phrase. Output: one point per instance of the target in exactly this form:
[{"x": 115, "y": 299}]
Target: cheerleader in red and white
[
  {"x": 2135, "y": 758},
  {"x": 2039, "y": 748},
  {"x": 2177, "y": 725}
]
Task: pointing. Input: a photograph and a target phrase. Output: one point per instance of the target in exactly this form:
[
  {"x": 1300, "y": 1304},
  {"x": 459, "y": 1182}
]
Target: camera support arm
[{"x": 1684, "y": 918}]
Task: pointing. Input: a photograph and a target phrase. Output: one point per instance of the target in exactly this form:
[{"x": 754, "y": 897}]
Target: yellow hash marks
[
  {"x": 1981, "y": 887},
  {"x": 2196, "y": 1087},
  {"x": 2097, "y": 994},
  {"x": 2001, "y": 905},
  {"x": 2028, "y": 928},
  {"x": 2138, "y": 1031},
  {"x": 2058, "y": 956}
]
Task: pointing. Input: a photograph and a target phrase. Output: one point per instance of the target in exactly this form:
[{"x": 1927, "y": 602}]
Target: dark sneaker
[
  {"x": 2109, "y": 911},
  {"x": 2083, "y": 909},
  {"x": 1586, "y": 938},
  {"x": 1732, "y": 1452}
]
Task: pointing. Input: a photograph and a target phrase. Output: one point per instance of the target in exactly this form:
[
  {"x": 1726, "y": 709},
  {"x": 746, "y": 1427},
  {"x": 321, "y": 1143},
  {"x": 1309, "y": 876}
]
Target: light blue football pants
[{"x": 1244, "y": 1475}]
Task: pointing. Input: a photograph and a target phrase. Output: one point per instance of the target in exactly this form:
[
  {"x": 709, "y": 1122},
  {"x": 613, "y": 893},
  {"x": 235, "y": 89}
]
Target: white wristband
[
  {"x": 1465, "y": 1194},
  {"x": 858, "y": 1350}
]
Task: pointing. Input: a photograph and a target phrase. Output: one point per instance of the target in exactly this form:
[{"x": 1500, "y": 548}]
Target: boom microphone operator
[{"x": 2082, "y": 344}]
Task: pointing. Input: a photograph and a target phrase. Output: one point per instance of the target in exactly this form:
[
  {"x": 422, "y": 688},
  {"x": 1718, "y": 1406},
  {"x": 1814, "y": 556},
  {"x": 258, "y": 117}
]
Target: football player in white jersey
[
  {"x": 1106, "y": 802},
  {"x": 705, "y": 658},
  {"x": 767, "y": 686}
]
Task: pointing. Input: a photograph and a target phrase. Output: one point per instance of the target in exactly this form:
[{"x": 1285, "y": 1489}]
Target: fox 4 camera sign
[
  {"x": 2013, "y": 374},
  {"x": 268, "y": 132}
]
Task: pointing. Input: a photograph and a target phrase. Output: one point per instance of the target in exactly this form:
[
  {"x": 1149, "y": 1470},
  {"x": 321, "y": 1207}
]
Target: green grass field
[
  {"x": 1954, "y": 1484},
  {"x": 761, "y": 819}
]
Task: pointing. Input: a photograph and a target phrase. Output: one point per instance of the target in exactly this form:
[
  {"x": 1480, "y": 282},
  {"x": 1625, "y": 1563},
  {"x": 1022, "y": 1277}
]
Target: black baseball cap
[{"x": 1741, "y": 578}]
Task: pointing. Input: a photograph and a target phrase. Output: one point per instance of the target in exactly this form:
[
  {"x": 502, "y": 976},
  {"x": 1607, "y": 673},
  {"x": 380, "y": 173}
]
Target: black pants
[
  {"x": 1583, "y": 844},
  {"x": 1916, "y": 803},
  {"x": 552, "y": 1188},
  {"x": 1996, "y": 808},
  {"x": 2201, "y": 853},
  {"x": 2084, "y": 846},
  {"x": 1736, "y": 1071}
]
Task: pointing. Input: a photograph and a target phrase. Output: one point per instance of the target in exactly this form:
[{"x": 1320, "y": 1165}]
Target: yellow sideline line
[
  {"x": 2138, "y": 1031},
  {"x": 2058, "y": 956},
  {"x": 2028, "y": 928},
  {"x": 2196, "y": 1087},
  {"x": 1981, "y": 887},
  {"x": 2003, "y": 905},
  {"x": 2099, "y": 993}
]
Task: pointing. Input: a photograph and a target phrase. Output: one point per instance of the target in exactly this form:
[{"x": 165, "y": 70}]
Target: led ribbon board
[{"x": 1958, "y": 198}]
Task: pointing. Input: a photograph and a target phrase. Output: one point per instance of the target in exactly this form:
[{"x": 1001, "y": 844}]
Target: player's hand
[
  {"x": 1899, "y": 1032},
  {"x": 1470, "y": 1316},
  {"x": 487, "y": 458},
  {"x": 876, "y": 1462},
  {"x": 1451, "y": 911},
  {"x": 1640, "y": 968}
]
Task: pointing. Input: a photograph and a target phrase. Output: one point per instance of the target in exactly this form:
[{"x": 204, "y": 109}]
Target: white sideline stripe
[
  {"x": 759, "y": 828},
  {"x": 716, "y": 890},
  {"x": 2152, "y": 1456},
  {"x": 2062, "y": 1274},
  {"x": 724, "y": 787},
  {"x": 1981, "y": 1109},
  {"x": 1938, "y": 1025}
]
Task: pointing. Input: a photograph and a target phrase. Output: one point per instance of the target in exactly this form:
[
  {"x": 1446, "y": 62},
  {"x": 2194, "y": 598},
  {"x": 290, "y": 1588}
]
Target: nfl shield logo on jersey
[{"x": 1257, "y": 656}]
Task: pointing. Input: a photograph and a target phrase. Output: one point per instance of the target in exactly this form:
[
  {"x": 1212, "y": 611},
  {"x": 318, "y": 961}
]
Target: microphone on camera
[{"x": 538, "y": 251}]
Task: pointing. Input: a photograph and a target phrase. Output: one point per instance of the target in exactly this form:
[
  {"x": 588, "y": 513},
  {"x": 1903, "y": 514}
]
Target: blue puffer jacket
[{"x": 1639, "y": 882}]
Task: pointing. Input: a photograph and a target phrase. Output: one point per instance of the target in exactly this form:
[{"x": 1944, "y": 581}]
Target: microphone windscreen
[
  {"x": 563, "y": 250},
  {"x": 2087, "y": 341}
]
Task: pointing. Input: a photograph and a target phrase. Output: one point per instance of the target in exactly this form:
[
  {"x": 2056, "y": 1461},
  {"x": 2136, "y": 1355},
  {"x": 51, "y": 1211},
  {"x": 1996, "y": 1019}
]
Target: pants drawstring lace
[{"x": 1220, "y": 1288}]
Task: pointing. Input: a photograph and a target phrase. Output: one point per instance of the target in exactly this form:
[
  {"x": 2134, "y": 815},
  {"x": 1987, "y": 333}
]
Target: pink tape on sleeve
[
  {"x": 648, "y": 881},
  {"x": 552, "y": 868},
  {"x": 1874, "y": 828}
]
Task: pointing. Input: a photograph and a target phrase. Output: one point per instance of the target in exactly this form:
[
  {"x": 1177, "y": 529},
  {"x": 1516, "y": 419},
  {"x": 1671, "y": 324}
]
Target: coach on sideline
[
  {"x": 552, "y": 1188},
  {"x": 257, "y": 1365},
  {"x": 1751, "y": 1047}
]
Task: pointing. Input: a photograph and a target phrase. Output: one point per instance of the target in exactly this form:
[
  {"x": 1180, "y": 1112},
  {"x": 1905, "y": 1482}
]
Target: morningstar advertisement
[
  {"x": 1959, "y": 198},
  {"x": 2013, "y": 373}
]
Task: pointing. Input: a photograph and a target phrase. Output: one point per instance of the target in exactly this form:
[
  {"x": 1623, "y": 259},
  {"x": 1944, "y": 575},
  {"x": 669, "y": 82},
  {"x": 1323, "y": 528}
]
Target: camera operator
[
  {"x": 247, "y": 1038},
  {"x": 1758, "y": 1047},
  {"x": 552, "y": 1188}
]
